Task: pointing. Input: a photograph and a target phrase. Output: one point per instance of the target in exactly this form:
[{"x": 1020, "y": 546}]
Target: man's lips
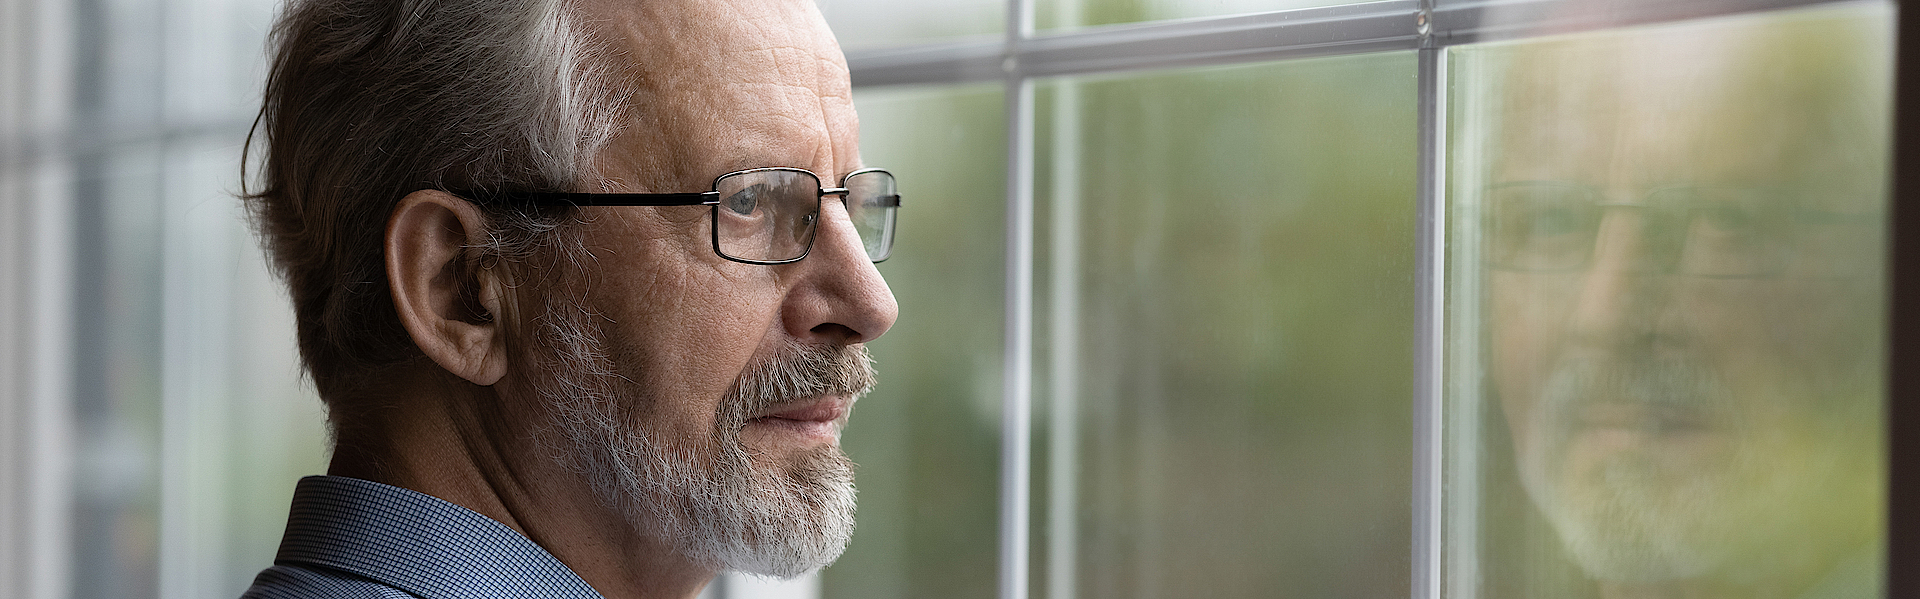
[
  {"x": 1646, "y": 417},
  {"x": 825, "y": 409},
  {"x": 814, "y": 417}
]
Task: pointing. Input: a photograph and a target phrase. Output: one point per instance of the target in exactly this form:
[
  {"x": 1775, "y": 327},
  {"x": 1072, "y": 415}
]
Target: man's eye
[
  {"x": 1552, "y": 221},
  {"x": 745, "y": 201},
  {"x": 1540, "y": 226},
  {"x": 1733, "y": 220}
]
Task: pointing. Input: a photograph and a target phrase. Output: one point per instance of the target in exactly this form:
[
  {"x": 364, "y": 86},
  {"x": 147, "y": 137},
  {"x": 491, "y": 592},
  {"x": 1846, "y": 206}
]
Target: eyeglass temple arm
[{"x": 563, "y": 198}]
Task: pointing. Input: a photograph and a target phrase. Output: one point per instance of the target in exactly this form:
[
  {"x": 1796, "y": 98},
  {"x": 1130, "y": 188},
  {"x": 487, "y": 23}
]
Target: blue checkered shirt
[{"x": 350, "y": 538}]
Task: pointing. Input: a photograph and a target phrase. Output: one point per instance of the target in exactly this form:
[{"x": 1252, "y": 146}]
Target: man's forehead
[
  {"x": 721, "y": 85},
  {"x": 685, "y": 34},
  {"x": 1678, "y": 107}
]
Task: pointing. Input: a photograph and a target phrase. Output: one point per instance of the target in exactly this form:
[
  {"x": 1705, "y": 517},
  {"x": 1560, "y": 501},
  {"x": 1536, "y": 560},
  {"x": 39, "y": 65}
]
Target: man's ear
[{"x": 448, "y": 304}]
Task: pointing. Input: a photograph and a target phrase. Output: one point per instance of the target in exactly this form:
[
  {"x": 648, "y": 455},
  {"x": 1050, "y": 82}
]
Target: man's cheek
[
  {"x": 1799, "y": 331},
  {"x": 728, "y": 328},
  {"x": 1523, "y": 335}
]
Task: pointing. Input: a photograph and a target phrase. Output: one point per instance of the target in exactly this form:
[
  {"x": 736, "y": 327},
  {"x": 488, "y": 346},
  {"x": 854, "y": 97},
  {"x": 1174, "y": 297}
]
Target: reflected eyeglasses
[
  {"x": 763, "y": 215},
  {"x": 1699, "y": 231}
]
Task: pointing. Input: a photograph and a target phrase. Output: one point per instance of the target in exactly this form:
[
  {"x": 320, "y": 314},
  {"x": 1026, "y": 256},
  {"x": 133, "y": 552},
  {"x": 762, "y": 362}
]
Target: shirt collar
[{"x": 418, "y": 543}]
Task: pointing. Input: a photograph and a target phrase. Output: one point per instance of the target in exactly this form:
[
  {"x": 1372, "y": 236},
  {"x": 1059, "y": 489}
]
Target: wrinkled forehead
[
  {"x": 1590, "y": 106},
  {"x": 721, "y": 85},
  {"x": 1735, "y": 106}
]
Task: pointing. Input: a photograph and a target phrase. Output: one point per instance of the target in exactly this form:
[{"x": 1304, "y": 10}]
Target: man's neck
[{"x": 461, "y": 444}]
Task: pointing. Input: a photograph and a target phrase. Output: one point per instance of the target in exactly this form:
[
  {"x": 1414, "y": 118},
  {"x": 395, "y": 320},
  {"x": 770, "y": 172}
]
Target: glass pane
[
  {"x": 1068, "y": 14},
  {"x": 860, "y": 24},
  {"x": 927, "y": 438},
  {"x": 1667, "y": 337},
  {"x": 1229, "y": 283}
]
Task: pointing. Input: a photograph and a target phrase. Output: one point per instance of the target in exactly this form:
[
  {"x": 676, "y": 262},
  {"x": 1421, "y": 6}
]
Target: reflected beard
[
  {"x": 719, "y": 508},
  {"x": 1631, "y": 515}
]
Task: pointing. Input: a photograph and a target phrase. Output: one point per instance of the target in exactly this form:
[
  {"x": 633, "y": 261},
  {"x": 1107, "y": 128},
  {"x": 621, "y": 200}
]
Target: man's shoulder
[
  {"x": 296, "y": 582},
  {"x": 351, "y": 538}
]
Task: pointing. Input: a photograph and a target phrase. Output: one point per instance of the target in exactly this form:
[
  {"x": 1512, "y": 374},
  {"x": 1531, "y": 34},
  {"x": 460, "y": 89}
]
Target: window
[{"x": 1594, "y": 286}]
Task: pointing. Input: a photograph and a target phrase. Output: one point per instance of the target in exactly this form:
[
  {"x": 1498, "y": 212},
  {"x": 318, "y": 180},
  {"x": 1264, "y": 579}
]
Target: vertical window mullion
[
  {"x": 1016, "y": 450},
  {"x": 1429, "y": 302},
  {"x": 1063, "y": 341}
]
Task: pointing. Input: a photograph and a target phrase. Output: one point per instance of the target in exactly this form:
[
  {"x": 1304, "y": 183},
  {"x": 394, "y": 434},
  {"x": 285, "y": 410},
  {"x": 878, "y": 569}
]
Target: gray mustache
[
  {"x": 803, "y": 370},
  {"x": 1679, "y": 385}
]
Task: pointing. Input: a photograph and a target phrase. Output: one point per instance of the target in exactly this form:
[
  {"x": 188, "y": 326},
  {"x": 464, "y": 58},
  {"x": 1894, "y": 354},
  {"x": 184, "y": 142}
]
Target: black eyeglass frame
[{"x": 707, "y": 198}]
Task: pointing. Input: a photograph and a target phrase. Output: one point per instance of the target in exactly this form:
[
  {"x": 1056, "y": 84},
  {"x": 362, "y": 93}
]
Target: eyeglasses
[
  {"x": 765, "y": 215},
  {"x": 1701, "y": 231}
]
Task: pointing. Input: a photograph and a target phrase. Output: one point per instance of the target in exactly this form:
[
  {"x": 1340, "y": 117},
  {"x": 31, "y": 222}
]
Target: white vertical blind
[
  {"x": 152, "y": 414},
  {"x": 35, "y": 284}
]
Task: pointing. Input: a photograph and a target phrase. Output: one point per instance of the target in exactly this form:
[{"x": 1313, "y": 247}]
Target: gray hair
[{"x": 369, "y": 100}]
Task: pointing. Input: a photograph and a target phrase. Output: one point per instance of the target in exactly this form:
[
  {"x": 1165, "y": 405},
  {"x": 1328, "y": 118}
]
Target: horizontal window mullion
[
  {"x": 1322, "y": 31},
  {"x": 1350, "y": 29},
  {"x": 1457, "y": 23}
]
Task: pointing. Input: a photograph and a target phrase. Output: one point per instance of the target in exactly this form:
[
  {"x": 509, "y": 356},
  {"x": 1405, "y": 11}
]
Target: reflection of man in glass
[{"x": 1683, "y": 238}]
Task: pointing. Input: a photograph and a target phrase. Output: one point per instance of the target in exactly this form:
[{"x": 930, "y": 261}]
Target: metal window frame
[
  {"x": 1903, "y": 334},
  {"x": 1428, "y": 27}
]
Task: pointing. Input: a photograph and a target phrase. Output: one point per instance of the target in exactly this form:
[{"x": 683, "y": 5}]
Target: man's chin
[
  {"x": 1661, "y": 508},
  {"x": 1632, "y": 536},
  {"x": 800, "y": 519}
]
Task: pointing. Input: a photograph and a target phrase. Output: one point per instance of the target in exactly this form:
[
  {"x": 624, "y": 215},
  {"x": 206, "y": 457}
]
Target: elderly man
[
  {"x": 1684, "y": 235},
  {"x": 584, "y": 285}
]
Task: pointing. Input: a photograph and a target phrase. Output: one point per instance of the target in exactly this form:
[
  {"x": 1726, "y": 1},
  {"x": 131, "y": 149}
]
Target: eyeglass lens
[
  {"x": 770, "y": 215},
  {"x": 873, "y": 201}
]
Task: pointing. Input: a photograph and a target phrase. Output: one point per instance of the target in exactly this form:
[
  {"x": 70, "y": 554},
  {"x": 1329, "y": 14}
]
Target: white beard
[
  {"x": 1628, "y": 520},
  {"x": 779, "y": 520},
  {"x": 1656, "y": 512}
]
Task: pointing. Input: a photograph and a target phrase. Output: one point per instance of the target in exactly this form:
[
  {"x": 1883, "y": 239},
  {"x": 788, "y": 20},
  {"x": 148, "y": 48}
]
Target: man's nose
[
  {"x": 836, "y": 296},
  {"x": 1626, "y": 282}
]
